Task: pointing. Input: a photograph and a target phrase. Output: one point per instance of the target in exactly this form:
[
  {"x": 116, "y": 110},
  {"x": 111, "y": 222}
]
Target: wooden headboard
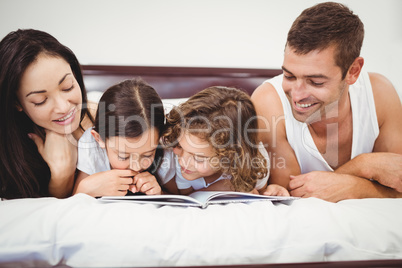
[{"x": 176, "y": 82}]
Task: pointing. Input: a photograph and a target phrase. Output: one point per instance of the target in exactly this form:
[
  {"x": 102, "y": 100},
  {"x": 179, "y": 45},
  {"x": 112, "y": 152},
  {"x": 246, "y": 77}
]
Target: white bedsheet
[{"x": 83, "y": 232}]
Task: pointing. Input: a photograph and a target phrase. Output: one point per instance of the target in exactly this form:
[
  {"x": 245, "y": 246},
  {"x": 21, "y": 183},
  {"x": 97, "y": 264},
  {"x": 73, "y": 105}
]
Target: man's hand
[{"x": 323, "y": 184}]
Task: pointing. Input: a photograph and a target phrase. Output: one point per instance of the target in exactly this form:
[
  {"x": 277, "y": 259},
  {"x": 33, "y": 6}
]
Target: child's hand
[
  {"x": 146, "y": 183},
  {"x": 254, "y": 191},
  {"x": 276, "y": 190},
  {"x": 111, "y": 182}
]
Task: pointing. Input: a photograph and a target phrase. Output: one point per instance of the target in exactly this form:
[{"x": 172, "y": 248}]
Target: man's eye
[
  {"x": 288, "y": 77},
  {"x": 316, "y": 84}
]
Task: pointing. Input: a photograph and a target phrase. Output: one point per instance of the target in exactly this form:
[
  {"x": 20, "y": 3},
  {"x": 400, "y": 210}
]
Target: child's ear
[{"x": 98, "y": 139}]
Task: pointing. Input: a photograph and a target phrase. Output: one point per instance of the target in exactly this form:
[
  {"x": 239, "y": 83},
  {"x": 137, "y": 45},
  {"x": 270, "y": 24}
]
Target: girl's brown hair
[
  {"x": 226, "y": 118},
  {"x": 128, "y": 109}
]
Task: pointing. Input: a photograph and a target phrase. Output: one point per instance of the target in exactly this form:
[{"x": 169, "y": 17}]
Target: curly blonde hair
[{"x": 226, "y": 118}]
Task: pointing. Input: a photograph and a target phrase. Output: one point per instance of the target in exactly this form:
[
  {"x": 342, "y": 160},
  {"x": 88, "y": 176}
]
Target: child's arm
[
  {"x": 276, "y": 190},
  {"x": 146, "y": 183},
  {"x": 112, "y": 182},
  {"x": 170, "y": 187},
  {"x": 221, "y": 185},
  {"x": 187, "y": 191}
]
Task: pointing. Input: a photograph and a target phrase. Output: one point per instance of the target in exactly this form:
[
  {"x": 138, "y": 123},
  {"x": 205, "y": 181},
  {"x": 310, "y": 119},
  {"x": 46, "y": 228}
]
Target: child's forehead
[
  {"x": 196, "y": 137},
  {"x": 148, "y": 141},
  {"x": 194, "y": 143}
]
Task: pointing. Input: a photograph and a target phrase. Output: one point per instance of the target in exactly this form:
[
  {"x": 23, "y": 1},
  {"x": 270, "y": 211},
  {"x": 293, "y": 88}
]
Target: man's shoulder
[
  {"x": 386, "y": 99},
  {"x": 384, "y": 92},
  {"x": 267, "y": 100},
  {"x": 268, "y": 86},
  {"x": 380, "y": 83}
]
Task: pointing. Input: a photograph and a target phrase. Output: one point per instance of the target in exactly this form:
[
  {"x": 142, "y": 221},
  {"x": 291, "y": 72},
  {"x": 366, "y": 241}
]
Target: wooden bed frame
[
  {"x": 176, "y": 82},
  {"x": 183, "y": 82}
]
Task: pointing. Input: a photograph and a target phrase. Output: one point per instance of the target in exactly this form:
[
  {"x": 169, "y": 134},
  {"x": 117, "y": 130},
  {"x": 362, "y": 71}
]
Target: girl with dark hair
[
  {"x": 43, "y": 114},
  {"x": 214, "y": 147},
  {"x": 121, "y": 153}
]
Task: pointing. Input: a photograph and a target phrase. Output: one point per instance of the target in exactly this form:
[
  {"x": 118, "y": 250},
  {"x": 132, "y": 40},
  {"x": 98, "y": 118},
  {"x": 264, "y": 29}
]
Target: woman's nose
[{"x": 62, "y": 105}]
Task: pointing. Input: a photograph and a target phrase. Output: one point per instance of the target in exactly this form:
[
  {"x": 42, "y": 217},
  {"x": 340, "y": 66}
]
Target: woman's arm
[{"x": 60, "y": 153}]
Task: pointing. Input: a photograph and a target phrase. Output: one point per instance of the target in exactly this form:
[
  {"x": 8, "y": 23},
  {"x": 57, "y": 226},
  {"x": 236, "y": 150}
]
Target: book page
[
  {"x": 180, "y": 200},
  {"x": 212, "y": 197}
]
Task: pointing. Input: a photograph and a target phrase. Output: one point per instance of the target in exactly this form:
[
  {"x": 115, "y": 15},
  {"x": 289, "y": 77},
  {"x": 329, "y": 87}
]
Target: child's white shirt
[{"x": 91, "y": 157}]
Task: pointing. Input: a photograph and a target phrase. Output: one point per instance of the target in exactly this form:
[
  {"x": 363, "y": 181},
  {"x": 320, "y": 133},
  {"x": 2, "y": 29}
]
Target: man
[{"x": 332, "y": 130}]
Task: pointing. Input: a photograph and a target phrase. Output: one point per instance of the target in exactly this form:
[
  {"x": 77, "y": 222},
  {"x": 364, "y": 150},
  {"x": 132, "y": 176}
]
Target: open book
[{"x": 197, "y": 199}]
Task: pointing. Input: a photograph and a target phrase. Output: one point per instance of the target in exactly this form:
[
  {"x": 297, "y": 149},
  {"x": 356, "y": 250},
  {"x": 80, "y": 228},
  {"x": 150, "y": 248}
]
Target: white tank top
[{"x": 365, "y": 125}]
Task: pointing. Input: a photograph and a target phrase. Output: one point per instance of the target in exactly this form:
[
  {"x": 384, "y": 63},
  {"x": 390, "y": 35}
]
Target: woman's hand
[
  {"x": 146, "y": 183},
  {"x": 60, "y": 153}
]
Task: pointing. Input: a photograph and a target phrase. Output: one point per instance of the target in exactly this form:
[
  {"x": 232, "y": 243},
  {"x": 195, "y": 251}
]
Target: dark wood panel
[{"x": 176, "y": 82}]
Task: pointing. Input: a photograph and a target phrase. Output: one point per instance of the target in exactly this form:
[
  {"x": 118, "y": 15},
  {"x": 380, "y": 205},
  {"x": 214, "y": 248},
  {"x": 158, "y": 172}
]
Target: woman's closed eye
[
  {"x": 40, "y": 103},
  {"x": 69, "y": 89}
]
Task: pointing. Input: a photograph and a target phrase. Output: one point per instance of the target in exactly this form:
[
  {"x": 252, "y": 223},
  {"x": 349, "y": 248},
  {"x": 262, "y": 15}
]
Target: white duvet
[{"x": 84, "y": 232}]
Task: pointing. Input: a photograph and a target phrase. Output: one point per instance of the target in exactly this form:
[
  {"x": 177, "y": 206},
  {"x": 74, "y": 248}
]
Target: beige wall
[{"x": 220, "y": 33}]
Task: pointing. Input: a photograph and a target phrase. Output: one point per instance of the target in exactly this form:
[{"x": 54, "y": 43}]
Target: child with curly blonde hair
[{"x": 212, "y": 145}]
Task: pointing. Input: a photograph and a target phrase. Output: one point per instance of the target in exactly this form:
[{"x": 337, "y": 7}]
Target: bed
[{"x": 82, "y": 231}]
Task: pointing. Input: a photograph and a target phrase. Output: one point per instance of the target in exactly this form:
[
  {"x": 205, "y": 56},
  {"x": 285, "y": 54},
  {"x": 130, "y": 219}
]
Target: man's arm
[
  {"x": 272, "y": 133},
  {"x": 334, "y": 187},
  {"x": 385, "y": 165},
  {"x": 331, "y": 186}
]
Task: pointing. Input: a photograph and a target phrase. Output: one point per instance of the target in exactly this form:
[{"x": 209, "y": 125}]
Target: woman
[{"x": 43, "y": 114}]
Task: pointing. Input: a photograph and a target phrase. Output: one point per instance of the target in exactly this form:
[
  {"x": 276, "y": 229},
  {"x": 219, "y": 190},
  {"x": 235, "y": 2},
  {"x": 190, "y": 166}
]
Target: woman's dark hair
[
  {"x": 128, "y": 109},
  {"x": 23, "y": 172}
]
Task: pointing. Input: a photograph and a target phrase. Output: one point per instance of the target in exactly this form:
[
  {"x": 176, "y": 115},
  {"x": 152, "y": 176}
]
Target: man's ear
[
  {"x": 98, "y": 139},
  {"x": 354, "y": 71}
]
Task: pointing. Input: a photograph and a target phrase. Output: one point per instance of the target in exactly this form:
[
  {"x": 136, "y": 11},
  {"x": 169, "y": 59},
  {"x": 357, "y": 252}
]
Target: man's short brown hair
[{"x": 327, "y": 24}]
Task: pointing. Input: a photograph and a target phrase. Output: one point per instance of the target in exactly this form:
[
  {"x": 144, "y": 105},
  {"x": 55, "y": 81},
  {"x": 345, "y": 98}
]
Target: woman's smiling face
[{"x": 50, "y": 95}]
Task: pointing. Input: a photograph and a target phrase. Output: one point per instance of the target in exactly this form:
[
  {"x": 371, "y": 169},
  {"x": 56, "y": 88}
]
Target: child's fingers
[
  {"x": 142, "y": 178},
  {"x": 133, "y": 188},
  {"x": 146, "y": 186},
  {"x": 126, "y": 181},
  {"x": 125, "y": 172},
  {"x": 284, "y": 192},
  {"x": 269, "y": 192},
  {"x": 147, "y": 183},
  {"x": 254, "y": 191},
  {"x": 124, "y": 187},
  {"x": 155, "y": 190}
]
